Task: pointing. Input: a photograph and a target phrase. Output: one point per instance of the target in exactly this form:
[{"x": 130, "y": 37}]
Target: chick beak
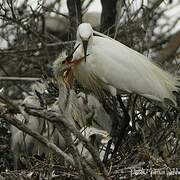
[{"x": 85, "y": 44}]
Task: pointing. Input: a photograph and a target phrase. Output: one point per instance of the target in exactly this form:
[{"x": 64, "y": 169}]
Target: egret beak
[
  {"x": 70, "y": 56},
  {"x": 85, "y": 44}
]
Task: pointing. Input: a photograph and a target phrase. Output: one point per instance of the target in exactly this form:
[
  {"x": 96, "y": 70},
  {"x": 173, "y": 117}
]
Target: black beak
[
  {"x": 70, "y": 56},
  {"x": 85, "y": 44}
]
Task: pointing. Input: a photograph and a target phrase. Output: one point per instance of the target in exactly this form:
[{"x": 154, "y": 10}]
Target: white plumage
[
  {"x": 99, "y": 138},
  {"x": 21, "y": 142},
  {"x": 113, "y": 66}
]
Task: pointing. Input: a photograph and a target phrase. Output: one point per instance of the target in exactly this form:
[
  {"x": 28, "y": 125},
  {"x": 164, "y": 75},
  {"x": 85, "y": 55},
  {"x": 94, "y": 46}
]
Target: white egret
[
  {"x": 99, "y": 139},
  {"x": 95, "y": 112},
  {"x": 110, "y": 65},
  {"x": 21, "y": 142}
]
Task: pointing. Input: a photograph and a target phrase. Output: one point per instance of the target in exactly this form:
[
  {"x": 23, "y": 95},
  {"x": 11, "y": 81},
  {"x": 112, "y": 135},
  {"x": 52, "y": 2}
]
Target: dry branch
[
  {"x": 19, "y": 79},
  {"x": 167, "y": 53}
]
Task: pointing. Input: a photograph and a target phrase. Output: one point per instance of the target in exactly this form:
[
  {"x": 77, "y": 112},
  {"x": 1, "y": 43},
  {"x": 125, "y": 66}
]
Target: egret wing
[{"x": 128, "y": 70}]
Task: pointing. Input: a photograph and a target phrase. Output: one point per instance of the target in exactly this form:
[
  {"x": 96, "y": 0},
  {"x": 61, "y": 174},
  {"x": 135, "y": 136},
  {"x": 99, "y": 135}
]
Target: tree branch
[{"x": 167, "y": 53}]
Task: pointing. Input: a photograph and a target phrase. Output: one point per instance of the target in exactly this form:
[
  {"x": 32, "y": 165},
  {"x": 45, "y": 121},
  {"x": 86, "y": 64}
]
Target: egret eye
[{"x": 81, "y": 37}]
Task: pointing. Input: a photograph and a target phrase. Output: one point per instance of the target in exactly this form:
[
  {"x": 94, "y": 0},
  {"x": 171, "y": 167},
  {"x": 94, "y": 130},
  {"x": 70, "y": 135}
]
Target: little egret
[
  {"x": 20, "y": 142},
  {"x": 98, "y": 138},
  {"x": 101, "y": 62}
]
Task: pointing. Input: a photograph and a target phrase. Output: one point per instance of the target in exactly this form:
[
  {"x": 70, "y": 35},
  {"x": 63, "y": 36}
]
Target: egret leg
[
  {"x": 123, "y": 124},
  {"x": 115, "y": 122},
  {"x": 106, "y": 155}
]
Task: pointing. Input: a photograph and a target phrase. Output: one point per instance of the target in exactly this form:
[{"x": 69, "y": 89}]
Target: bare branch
[
  {"x": 19, "y": 79},
  {"x": 167, "y": 53}
]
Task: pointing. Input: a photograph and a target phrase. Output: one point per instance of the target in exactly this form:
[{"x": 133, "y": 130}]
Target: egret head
[
  {"x": 84, "y": 35},
  {"x": 60, "y": 68}
]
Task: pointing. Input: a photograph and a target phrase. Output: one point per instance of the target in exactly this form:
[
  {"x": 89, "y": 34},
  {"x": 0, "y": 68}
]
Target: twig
[
  {"x": 10, "y": 104},
  {"x": 169, "y": 51},
  {"x": 6, "y": 78},
  {"x": 60, "y": 43},
  {"x": 73, "y": 150}
]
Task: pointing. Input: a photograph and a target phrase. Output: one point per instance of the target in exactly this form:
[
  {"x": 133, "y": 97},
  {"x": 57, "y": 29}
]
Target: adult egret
[{"x": 109, "y": 64}]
